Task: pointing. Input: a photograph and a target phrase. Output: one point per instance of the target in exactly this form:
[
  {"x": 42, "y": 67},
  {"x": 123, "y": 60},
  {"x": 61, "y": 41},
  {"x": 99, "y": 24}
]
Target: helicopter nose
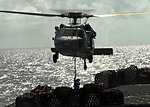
[{"x": 70, "y": 44}]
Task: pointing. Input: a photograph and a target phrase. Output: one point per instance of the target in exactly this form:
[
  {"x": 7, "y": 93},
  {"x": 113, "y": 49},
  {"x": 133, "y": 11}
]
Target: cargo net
[
  {"x": 128, "y": 76},
  {"x": 90, "y": 95}
]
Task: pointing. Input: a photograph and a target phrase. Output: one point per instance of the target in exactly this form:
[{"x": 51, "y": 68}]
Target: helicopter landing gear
[
  {"x": 90, "y": 58},
  {"x": 55, "y": 57},
  {"x": 85, "y": 66}
]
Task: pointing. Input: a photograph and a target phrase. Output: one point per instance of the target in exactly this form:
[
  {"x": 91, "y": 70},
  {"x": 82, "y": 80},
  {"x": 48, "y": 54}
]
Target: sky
[{"x": 19, "y": 31}]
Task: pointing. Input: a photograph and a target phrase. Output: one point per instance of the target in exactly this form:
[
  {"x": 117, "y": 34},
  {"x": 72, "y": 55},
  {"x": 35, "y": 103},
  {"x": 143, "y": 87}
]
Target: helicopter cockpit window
[
  {"x": 72, "y": 32},
  {"x": 69, "y": 32}
]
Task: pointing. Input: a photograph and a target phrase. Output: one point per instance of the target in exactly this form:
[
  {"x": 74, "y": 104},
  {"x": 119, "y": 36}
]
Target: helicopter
[{"x": 76, "y": 39}]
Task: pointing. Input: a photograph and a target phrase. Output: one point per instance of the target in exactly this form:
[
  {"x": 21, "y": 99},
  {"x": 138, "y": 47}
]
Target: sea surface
[{"x": 21, "y": 70}]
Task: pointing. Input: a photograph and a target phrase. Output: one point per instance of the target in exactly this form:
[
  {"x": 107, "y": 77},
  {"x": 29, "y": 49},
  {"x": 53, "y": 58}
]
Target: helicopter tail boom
[
  {"x": 97, "y": 51},
  {"x": 103, "y": 51}
]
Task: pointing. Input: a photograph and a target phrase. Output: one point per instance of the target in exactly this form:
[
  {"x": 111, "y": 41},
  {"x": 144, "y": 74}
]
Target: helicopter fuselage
[
  {"x": 73, "y": 41},
  {"x": 77, "y": 40}
]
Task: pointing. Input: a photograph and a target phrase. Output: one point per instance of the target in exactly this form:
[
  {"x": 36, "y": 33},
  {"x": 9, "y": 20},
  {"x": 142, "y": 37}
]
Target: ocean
[{"x": 21, "y": 70}]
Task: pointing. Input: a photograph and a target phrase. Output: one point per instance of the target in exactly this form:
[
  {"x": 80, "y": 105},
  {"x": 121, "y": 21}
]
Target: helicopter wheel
[
  {"x": 85, "y": 66},
  {"x": 55, "y": 57},
  {"x": 90, "y": 58}
]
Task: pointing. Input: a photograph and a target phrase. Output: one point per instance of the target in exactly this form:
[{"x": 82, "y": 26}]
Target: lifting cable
[
  {"x": 76, "y": 81},
  {"x": 75, "y": 70}
]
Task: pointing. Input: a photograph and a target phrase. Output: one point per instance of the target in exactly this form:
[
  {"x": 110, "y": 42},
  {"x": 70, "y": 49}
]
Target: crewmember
[{"x": 77, "y": 84}]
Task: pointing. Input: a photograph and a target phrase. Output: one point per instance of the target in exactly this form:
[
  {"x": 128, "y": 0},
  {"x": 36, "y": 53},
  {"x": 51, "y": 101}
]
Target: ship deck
[{"x": 138, "y": 94}]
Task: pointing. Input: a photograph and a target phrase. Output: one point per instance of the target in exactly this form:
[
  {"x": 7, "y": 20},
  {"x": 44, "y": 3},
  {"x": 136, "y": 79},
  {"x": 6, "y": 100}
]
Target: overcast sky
[{"x": 19, "y": 31}]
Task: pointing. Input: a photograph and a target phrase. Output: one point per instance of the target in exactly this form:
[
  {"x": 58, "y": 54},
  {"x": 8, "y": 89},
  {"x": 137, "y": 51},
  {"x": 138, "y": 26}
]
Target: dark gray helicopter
[{"x": 76, "y": 39}]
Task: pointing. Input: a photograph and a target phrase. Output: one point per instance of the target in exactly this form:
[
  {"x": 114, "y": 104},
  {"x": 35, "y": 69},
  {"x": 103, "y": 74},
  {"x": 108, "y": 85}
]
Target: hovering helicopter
[{"x": 76, "y": 39}]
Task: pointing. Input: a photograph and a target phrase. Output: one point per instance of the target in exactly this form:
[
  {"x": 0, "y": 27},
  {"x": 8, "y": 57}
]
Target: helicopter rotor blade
[
  {"x": 121, "y": 14},
  {"x": 33, "y": 14},
  {"x": 66, "y": 15}
]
